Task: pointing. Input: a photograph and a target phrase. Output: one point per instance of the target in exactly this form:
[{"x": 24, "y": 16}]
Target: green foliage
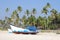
[
  {"x": 27, "y": 12},
  {"x": 48, "y": 5},
  {"x": 34, "y": 11},
  {"x": 19, "y": 8},
  {"x": 53, "y": 27},
  {"x": 46, "y": 22},
  {"x": 44, "y": 10}
]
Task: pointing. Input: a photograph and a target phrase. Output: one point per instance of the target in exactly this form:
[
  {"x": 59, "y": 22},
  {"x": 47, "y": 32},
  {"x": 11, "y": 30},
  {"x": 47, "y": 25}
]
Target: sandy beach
[{"x": 4, "y": 35}]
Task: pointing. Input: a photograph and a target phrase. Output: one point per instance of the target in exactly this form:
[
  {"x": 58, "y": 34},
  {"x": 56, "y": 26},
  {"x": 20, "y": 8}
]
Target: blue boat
[{"x": 28, "y": 30}]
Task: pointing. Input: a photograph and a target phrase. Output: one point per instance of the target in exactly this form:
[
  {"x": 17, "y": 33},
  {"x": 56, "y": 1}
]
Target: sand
[{"x": 4, "y": 35}]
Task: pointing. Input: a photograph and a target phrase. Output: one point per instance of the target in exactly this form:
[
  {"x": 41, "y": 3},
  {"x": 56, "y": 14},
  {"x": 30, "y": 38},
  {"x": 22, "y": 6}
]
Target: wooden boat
[{"x": 17, "y": 30}]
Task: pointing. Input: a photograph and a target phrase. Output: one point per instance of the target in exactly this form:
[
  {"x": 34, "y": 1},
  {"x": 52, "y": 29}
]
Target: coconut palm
[
  {"x": 54, "y": 13},
  {"x": 47, "y": 5},
  {"x": 54, "y": 16},
  {"x": 24, "y": 21},
  {"x": 7, "y": 9},
  {"x": 45, "y": 10},
  {"x": 19, "y": 8},
  {"x": 2, "y": 24},
  {"x": 32, "y": 19},
  {"x": 9, "y": 20},
  {"x": 38, "y": 21},
  {"x": 15, "y": 15},
  {"x": 27, "y": 12},
  {"x": 15, "y": 18},
  {"x": 34, "y": 11}
]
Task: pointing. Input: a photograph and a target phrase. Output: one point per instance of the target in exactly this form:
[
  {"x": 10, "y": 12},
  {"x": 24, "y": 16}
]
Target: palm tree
[
  {"x": 34, "y": 11},
  {"x": 38, "y": 21},
  {"x": 17, "y": 20},
  {"x": 24, "y": 21},
  {"x": 15, "y": 16},
  {"x": 54, "y": 16},
  {"x": 7, "y": 9},
  {"x": 54, "y": 13},
  {"x": 9, "y": 20},
  {"x": 19, "y": 8},
  {"x": 47, "y": 5},
  {"x": 3, "y": 24},
  {"x": 45, "y": 10},
  {"x": 27, "y": 12},
  {"x": 32, "y": 19}
]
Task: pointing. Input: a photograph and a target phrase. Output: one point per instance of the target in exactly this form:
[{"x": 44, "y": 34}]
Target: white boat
[{"x": 20, "y": 30}]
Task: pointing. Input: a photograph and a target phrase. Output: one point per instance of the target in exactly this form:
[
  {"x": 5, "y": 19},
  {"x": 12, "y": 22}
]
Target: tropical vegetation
[{"x": 47, "y": 22}]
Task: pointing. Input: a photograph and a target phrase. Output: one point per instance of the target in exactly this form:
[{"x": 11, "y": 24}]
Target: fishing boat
[{"x": 17, "y": 30}]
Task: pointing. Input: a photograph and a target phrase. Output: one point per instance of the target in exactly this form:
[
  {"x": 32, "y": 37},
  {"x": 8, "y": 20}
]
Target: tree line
[{"x": 47, "y": 22}]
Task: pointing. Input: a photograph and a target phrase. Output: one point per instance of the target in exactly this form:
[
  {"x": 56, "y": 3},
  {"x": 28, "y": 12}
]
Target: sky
[{"x": 26, "y": 4}]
